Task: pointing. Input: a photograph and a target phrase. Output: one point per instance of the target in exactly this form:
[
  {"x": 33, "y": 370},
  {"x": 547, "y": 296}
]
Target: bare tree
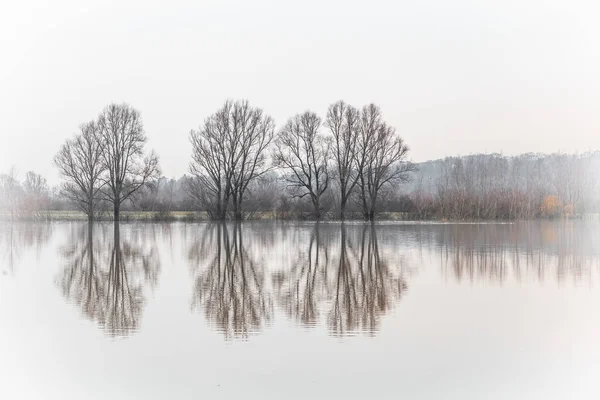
[
  {"x": 10, "y": 192},
  {"x": 228, "y": 154},
  {"x": 208, "y": 167},
  {"x": 303, "y": 152},
  {"x": 35, "y": 184},
  {"x": 343, "y": 122},
  {"x": 80, "y": 163},
  {"x": 36, "y": 192},
  {"x": 380, "y": 160},
  {"x": 256, "y": 131},
  {"x": 127, "y": 169},
  {"x": 17, "y": 240}
]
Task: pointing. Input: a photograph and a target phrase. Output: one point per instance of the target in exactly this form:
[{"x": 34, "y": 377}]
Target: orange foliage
[{"x": 551, "y": 206}]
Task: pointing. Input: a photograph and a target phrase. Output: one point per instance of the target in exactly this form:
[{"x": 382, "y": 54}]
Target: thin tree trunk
[
  {"x": 90, "y": 213},
  {"x": 238, "y": 211},
  {"x": 317, "y": 205},
  {"x": 237, "y": 207}
]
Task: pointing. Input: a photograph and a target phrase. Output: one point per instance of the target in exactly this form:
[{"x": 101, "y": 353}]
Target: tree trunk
[
  {"x": 224, "y": 203},
  {"x": 237, "y": 207},
  {"x": 317, "y": 205},
  {"x": 238, "y": 212},
  {"x": 116, "y": 211},
  {"x": 343, "y": 209},
  {"x": 117, "y": 245},
  {"x": 90, "y": 205},
  {"x": 91, "y": 247},
  {"x": 363, "y": 197},
  {"x": 90, "y": 211}
]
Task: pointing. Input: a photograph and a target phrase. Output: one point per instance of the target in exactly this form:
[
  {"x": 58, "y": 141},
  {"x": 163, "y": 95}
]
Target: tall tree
[
  {"x": 343, "y": 122},
  {"x": 229, "y": 152},
  {"x": 127, "y": 168},
  {"x": 303, "y": 152},
  {"x": 381, "y": 159},
  {"x": 80, "y": 163}
]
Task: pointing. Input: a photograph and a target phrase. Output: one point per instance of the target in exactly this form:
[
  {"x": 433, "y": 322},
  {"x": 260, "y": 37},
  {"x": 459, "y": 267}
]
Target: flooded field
[{"x": 276, "y": 310}]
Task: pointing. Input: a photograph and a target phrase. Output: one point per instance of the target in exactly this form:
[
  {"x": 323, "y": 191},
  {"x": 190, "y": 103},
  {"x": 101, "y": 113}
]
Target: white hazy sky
[{"x": 454, "y": 77}]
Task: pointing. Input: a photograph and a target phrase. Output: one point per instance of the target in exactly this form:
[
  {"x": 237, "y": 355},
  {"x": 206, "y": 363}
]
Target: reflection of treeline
[
  {"x": 339, "y": 278},
  {"x": 366, "y": 285},
  {"x": 16, "y": 239},
  {"x": 106, "y": 278},
  {"x": 229, "y": 286},
  {"x": 540, "y": 250},
  {"x": 343, "y": 277}
]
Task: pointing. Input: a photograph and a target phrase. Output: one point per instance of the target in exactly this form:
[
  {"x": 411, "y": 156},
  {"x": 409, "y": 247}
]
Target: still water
[{"x": 270, "y": 310}]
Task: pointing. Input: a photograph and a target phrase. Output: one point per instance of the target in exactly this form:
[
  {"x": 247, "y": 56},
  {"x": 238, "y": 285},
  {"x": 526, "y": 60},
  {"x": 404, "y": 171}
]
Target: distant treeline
[
  {"x": 456, "y": 188},
  {"x": 350, "y": 164},
  {"x": 497, "y": 187}
]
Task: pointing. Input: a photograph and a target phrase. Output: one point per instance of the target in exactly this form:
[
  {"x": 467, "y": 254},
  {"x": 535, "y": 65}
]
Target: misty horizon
[{"x": 453, "y": 79}]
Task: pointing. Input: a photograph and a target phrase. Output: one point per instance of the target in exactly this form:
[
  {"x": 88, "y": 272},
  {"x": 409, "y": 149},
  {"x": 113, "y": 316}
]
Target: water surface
[{"x": 300, "y": 310}]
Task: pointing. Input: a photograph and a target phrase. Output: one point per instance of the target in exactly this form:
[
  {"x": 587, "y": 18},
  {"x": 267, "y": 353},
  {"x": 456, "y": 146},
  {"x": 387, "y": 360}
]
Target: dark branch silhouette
[
  {"x": 127, "y": 169},
  {"x": 81, "y": 165},
  {"x": 343, "y": 121},
  {"x": 380, "y": 159},
  {"x": 303, "y": 153},
  {"x": 228, "y": 154}
]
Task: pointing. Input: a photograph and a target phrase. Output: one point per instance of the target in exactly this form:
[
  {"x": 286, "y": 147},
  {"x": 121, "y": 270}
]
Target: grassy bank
[
  {"x": 200, "y": 216},
  {"x": 142, "y": 216},
  {"x": 184, "y": 216}
]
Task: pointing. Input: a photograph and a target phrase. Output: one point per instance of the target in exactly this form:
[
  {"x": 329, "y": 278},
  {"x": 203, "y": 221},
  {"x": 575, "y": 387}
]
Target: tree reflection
[
  {"x": 366, "y": 287},
  {"x": 354, "y": 284},
  {"x": 230, "y": 289},
  {"x": 17, "y": 238},
  {"x": 106, "y": 279},
  {"x": 302, "y": 286},
  {"x": 536, "y": 250}
]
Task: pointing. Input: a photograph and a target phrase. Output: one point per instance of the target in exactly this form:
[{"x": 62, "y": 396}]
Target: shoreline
[{"x": 202, "y": 216}]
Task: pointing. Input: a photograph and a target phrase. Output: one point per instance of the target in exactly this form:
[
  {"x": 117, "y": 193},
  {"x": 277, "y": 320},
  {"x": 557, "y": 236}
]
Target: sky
[{"x": 453, "y": 77}]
